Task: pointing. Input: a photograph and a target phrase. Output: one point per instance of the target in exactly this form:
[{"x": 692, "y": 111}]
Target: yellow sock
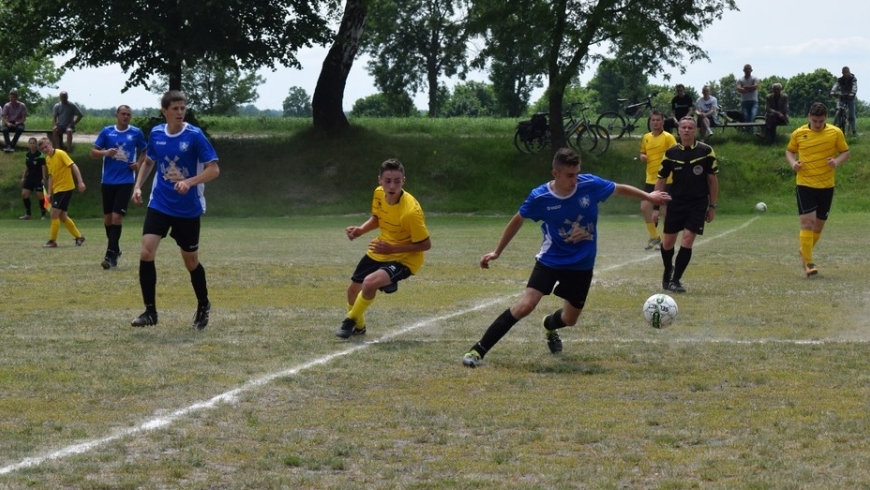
[
  {"x": 651, "y": 229},
  {"x": 360, "y": 306},
  {"x": 55, "y": 227},
  {"x": 816, "y": 237},
  {"x": 361, "y": 322},
  {"x": 71, "y": 227},
  {"x": 806, "y": 241}
]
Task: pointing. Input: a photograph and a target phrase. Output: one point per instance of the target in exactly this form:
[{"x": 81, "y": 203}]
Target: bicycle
[
  {"x": 841, "y": 116},
  {"x": 533, "y": 135},
  {"x": 582, "y": 135},
  {"x": 620, "y": 122}
]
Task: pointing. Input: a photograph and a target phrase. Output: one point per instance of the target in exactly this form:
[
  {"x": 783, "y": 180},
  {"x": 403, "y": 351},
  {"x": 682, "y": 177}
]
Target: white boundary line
[{"x": 229, "y": 396}]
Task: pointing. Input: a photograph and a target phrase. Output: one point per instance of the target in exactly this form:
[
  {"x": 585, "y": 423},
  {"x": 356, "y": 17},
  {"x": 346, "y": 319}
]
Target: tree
[
  {"x": 384, "y": 105},
  {"x": 804, "y": 89},
  {"x": 215, "y": 88},
  {"x": 571, "y": 34},
  {"x": 27, "y": 74},
  {"x": 328, "y": 98},
  {"x": 413, "y": 43},
  {"x": 471, "y": 99},
  {"x": 297, "y": 103},
  {"x": 156, "y": 37},
  {"x": 615, "y": 80}
]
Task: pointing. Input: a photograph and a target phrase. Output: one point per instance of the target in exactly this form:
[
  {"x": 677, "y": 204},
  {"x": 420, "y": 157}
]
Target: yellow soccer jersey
[
  {"x": 403, "y": 222},
  {"x": 654, "y": 147},
  {"x": 58, "y": 166},
  {"x": 813, "y": 148}
]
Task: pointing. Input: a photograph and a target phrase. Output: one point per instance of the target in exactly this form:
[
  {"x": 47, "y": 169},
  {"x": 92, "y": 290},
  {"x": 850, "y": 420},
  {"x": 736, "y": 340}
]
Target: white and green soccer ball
[
  {"x": 660, "y": 310},
  {"x": 761, "y": 207}
]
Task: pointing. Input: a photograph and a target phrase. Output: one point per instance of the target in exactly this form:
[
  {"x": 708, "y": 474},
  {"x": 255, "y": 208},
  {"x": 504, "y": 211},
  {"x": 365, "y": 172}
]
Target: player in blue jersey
[
  {"x": 121, "y": 148},
  {"x": 185, "y": 161},
  {"x": 567, "y": 206}
]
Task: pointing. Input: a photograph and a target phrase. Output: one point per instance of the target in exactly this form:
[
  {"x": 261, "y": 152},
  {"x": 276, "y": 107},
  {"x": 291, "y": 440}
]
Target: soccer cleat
[
  {"x": 676, "y": 287},
  {"x": 811, "y": 269},
  {"x": 50, "y": 244},
  {"x": 554, "y": 342},
  {"x": 111, "y": 260},
  {"x": 200, "y": 319},
  {"x": 666, "y": 280},
  {"x": 359, "y": 331},
  {"x": 653, "y": 244},
  {"x": 80, "y": 240},
  {"x": 24, "y": 217},
  {"x": 146, "y": 319},
  {"x": 471, "y": 359},
  {"x": 346, "y": 329}
]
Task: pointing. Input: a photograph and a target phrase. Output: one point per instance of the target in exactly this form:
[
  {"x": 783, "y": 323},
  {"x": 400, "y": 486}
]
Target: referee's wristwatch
[{"x": 712, "y": 205}]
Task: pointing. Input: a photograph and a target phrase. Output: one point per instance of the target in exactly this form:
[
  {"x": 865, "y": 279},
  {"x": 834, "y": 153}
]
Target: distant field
[{"x": 762, "y": 383}]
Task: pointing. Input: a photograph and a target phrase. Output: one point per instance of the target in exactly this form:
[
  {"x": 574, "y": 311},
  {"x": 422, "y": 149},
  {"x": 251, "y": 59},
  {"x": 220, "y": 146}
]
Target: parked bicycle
[
  {"x": 534, "y": 134},
  {"x": 841, "y": 116},
  {"x": 624, "y": 121}
]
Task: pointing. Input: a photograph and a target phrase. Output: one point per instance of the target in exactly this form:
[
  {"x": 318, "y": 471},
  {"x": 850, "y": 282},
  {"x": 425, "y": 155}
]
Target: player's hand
[
  {"x": 352, "y": 232},
  {"x": 81, "y": 186},
  {"x": 137, "y": 196},
  {"x": 182, "y": 187},
  {"x": 832, "y": 163},
  {"x": 134, "y": 166},
  {"x": 380, "y": 247},
  {"x": 659, "y": 197},
  {"x": 796, "y": 166},
  {"x": 485, "y": 260}
]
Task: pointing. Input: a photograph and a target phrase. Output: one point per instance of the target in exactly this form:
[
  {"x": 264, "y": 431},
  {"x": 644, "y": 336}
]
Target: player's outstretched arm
[
  {"x": 358, "y": 231},
  {"x": 507, "y": 235}
]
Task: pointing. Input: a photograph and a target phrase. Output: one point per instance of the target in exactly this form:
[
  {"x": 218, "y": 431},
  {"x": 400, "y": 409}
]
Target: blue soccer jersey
[
  {"x": 569, "y": 222},
  {"x": 177, "y": 157},
  {"x": 129, "y": 142}
]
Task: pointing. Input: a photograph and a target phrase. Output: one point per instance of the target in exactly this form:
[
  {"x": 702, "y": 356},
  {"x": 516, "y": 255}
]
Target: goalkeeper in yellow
[
  {"x": 396, "y": 254},
  {"x": 814, "y": 152}
]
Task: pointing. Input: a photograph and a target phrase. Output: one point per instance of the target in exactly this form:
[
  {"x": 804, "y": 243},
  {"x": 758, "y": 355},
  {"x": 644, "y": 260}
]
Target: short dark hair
[
  {"x": 566, "y": 157},
  {"x": 657, "y": 112},
  {"x": 172, "y": 96},
  {"x": 818, "y": 109},
  {"x": 392, "y": 164}
]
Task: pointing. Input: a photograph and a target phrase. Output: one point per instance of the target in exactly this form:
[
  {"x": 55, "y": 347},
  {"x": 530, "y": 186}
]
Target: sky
[{"x": 777, "y": 37}]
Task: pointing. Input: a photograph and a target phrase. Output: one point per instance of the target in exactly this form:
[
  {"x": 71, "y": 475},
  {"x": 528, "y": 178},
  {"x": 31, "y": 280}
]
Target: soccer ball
[
  {"x": 659, "y": 310},
  {"x": 761, "y": 207}
]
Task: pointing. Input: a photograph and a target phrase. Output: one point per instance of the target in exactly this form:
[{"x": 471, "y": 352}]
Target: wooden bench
[{"x": 49, "y": 133}]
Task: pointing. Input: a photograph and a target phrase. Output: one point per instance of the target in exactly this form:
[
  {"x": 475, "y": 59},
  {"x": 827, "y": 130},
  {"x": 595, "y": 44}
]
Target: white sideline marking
[
  {"x": 227, "y": 396},
  {"x": 231, "y": 395}
]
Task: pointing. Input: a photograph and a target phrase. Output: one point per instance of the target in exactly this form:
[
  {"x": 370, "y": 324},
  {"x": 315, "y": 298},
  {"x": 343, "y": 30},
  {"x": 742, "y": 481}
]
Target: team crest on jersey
[
  {"x": 183, "y": 146},
  {"x": 697, "y": 170},
  {"x": 574, "y": 232},
  {"x": 585, "y": 202}
]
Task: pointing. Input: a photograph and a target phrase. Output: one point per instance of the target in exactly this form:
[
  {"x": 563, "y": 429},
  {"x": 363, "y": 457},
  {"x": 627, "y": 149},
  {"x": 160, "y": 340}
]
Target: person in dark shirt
[{"x": 681, "y": 106}]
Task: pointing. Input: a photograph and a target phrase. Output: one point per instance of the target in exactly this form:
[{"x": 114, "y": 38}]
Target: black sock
[
  {"x": 26, "y": 206},
  {"x": 554, "y": 321},
  {"x": 148, "y": 282},
  {"x": 683, "y": 258},
  {"x": 200, "y": 287},
  {"x": 114, "y": 234},
  {"x": 668, "y": 261},
  {"x": 495, "y": 332}
]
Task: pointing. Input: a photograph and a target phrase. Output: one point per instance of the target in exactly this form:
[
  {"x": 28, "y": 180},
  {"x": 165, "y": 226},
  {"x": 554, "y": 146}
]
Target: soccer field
[{"x": 761, "y": 382}]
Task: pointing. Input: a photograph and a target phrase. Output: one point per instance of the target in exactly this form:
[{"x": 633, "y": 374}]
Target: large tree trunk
[{"x": 327, "y": 103}]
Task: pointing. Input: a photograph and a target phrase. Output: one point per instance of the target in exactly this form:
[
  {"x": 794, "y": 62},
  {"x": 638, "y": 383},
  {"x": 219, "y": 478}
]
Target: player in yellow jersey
[
  {"x": 61, "y": 170},
  {"x": 814, "y": 152},
  {"x": 652, "y": 150},
  {"x": 396, "y": 254}
]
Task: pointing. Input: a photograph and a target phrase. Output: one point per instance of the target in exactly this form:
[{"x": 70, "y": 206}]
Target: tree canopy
[
  {"x": 157, "y": 37},
  {"x": 215, "y": 88}
]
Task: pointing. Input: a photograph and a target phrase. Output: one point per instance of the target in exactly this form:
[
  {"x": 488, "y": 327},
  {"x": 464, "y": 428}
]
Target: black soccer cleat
[
  {"x": 676, "y": 287},
  {"x": 200, "y": 318},
  {"x": 146, "y": 319},
  {"x": 346, "y": 329}
]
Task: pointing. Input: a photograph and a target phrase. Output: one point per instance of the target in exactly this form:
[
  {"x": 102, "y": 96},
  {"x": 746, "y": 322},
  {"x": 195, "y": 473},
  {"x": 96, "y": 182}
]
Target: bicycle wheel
[
  {"x": 840, "y": 119},
  {"x": 613, "y": 123},
  {"x": 519, "y": 143},
  {"x": 585, "y": 139},
  {"x": 538, "y": 143},
  {"x": 603, "y": 138}
]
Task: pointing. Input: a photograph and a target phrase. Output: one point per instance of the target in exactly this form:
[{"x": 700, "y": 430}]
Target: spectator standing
[
  {"x": 65, "y": 116},
  {"x": 567, "y": 206},
  {"x": 706, "y": 108},
  {"x": 814, "y": 152},
  {"x": 776, "y": 112},
  {"x": 652, "y": 149},
  {"x": 185, "y": 161},
  {"x": 61, "y": 170},
  {"x": 846, "y": 88},
  {"x": 694, "y": 195},
  {"x": 121, "y": 148},
  {"x": 681, "y": 106},
  {"x": 14, "y": 116},
  {"x": 748, "y": 89},
  {"x": 33, "y": 179}
]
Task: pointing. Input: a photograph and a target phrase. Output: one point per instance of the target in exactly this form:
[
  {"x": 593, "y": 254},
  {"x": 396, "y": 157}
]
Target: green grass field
[{"x": 761, "y": 383}]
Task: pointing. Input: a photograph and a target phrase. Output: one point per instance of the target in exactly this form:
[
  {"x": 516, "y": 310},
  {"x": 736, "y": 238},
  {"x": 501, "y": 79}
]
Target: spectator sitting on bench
[
  {"x": 777, "y": 113},
  {"x": 706, "y": 108},
  {"x": 14, "y": 115},
  {"x": 65, "y": 116}
]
